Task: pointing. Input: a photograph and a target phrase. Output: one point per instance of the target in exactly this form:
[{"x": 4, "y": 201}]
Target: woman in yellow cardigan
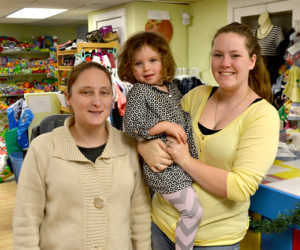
[
  {"x": 236, "y": 131},
  {"x": 81, "y": 186}
]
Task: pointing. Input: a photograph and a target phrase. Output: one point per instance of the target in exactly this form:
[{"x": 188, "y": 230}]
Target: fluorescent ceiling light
[{"x": 36, "y": 13}]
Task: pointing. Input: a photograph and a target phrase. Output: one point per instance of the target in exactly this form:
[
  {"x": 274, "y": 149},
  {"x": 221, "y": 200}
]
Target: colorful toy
[
  {"x": 5, "y": 174},
  {"x": 17, "y": 69},
  {"x": 24, "y": 63},
  {"x": 54, "y": 41},
  {"x": 3, "y": 60},
  {"x": 5, "y": 171},
  {"x": 293, "y": 138}
]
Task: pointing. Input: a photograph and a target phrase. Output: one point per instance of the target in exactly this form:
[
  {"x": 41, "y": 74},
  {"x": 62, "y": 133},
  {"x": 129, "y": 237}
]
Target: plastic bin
[{"x": 16, "y": 161}]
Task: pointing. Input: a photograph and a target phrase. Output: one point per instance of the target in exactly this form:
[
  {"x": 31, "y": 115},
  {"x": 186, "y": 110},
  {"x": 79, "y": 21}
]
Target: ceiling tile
[
  {"x": 14, "y": 3},
  {"x": 77, "y": 14},
  {"x": 72, "y": 15},
  {"x": 5, "y": 11},
  {"x": 57, "y": 4},
  {"x": 16, "y": 20},
  {"x": 64, "y": 22}
]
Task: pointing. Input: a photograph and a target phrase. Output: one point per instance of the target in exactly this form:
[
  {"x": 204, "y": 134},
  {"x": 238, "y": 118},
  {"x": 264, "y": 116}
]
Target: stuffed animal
[
  {"x": 5, "y": 171},
  {"x": 294, "y": 140}
]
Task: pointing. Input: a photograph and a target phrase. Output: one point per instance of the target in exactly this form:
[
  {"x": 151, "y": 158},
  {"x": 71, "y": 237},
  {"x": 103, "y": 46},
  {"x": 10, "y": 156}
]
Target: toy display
[
  {"x": 10, "y": 44},
  {"x": 12, "y": 67},
  {"x": 19, "y": 88},
  {"x": 23, "y": 69},
  {"x": 16, "y": 66}
]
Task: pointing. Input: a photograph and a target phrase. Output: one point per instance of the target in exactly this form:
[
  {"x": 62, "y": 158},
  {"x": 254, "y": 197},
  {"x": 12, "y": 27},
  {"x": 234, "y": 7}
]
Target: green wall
[
  {"x": 178, "y": 43},
  {"x": 190, "y": 45},
  {"x": 21, "y": 31},
  {"x": 136, "y": 18},
  {"x": 207, "y": 17}
]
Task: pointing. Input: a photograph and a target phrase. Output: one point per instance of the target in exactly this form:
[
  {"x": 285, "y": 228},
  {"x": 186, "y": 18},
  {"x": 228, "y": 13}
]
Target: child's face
[{"x": 147, "y": 66}]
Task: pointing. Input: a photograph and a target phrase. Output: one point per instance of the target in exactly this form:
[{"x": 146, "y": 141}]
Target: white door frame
[{"x": 239, "y": 8}]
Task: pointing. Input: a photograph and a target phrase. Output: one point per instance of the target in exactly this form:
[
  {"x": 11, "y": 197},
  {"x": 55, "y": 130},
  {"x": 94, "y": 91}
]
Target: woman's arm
[
  {"x": 253, "y": 158},
  {"x": 30, "y": 204},
  {"x": 140, "y": 212}
]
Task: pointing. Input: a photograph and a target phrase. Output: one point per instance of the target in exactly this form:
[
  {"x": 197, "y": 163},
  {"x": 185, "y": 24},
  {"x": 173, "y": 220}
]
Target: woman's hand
[
  {"x": 210, "y": 178},
  {"x": 154, "y": 153},
  {"x": 178, "y": 151}
]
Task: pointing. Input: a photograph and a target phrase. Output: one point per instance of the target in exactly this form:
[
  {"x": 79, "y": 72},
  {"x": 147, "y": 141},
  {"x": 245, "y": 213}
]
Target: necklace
[{"x": 230, "y": 111}]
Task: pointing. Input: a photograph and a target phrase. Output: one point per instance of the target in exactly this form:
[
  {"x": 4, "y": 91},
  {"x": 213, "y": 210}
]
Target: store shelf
[
  {"x": 90, "y": 46},
  {"x": 66, "y": 52},
  {"x": 23, "y": 74},
  {"x": 62, "y": 88},
  {"x": 4, "y": 52},
  {"x": 63, "y": 70},
  {"x": 30, "y": 70},
  {"x": 15, "y": 95}
]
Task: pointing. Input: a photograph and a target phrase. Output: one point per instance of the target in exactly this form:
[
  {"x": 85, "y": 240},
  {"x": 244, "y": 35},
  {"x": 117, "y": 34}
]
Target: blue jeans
[{"x": 160, "y": 241}]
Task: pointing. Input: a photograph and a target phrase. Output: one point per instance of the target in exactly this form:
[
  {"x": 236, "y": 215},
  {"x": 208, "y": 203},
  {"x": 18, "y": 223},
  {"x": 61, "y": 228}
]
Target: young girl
[{"x": 153, "y": 111}]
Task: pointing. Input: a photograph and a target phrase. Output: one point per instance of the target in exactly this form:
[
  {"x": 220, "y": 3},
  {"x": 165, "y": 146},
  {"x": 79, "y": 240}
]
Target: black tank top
[
  {"x": 92, "y": 153},
  {"x": 207, "y": 131}
]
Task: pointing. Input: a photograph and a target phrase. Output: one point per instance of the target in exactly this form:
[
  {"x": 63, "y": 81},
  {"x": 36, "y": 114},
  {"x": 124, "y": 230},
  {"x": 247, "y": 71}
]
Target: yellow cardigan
[{"x": 246, "y": 148}]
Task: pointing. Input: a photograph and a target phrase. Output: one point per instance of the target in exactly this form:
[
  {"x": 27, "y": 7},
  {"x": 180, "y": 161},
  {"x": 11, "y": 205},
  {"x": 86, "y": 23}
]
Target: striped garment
[{"x": 270, "y": 43}]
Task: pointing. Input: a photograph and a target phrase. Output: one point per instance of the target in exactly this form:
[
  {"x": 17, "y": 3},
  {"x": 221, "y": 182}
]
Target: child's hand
[
  {"x": 170, "y": 128},
  {"x": 177, "y": 132}
]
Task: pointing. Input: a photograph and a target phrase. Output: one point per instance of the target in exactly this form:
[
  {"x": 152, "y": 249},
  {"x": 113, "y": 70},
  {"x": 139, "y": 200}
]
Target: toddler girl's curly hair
[{"x": 136, "y": 42}]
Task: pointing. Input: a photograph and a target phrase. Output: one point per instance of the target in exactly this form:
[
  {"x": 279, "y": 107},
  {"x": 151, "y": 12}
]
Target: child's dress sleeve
[{"x": 137, "y": 120}]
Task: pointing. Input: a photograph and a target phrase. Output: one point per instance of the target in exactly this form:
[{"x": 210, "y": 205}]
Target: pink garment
[
  {"x": 121, "y": 100},
  {"x": 111, "y": 59}
]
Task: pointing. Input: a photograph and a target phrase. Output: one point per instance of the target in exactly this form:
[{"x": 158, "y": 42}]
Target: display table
[{"x": 278, "y": 193}]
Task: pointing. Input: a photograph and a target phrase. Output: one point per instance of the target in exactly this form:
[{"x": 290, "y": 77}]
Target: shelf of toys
[
  {"x": 25, "y": 67},
  {"x": 85, "y": 51},
  {"x": 66, "y": 58}
]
